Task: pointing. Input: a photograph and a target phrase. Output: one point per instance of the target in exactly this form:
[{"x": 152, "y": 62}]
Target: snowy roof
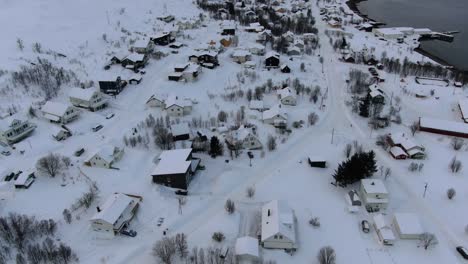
[
  {"x": 135, "y": 57},
  {"x": 379, "y": 221},
  {"x": 172, "y": 99},
  {"x": 463, "y": 104},
  {"x": 107, "y": 152},
  {"x": 55, "y": 108},
  {"x": 6, "y": 122},
  {"x": 408, "y": 223},
  {"x": 285, "y": 92},
  {"x": 272, "y": 54},
  {"x": 278, "y": 218},
  {"x": 241, "y": 53},
  {"x": 374, "y": 186},
  {"x": 180, "y": 129},
  {"x": 274, "y": 111},
  {"x": 443, "y": 125},
  {"x": 383, "y": 228},
  {"x": 397, "y": 151},
  {"x": 405, "y": 142},
  {"x": 256, "y": 104},
  {"x": 113, "y": 208},
  {"x": 283, "y": 66},
  {"x": 83, "y": 94},
  {"x": 141, "y": 43},
  {"x": 23, "y": 177},
  {"x": 173, "y": 162},
  {"x": 247, "y": 246},
  {"x": 241, "y": 133}
]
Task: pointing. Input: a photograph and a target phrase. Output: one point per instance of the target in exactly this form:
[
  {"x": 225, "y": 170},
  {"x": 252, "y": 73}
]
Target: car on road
[
  {"x": 365, "y": 226},
  {"x": 79, "y": 152},
  {"x": 96, "y": 128},
  {"x": 110, "y": 115},
  {"x": 463, "y": 252}
]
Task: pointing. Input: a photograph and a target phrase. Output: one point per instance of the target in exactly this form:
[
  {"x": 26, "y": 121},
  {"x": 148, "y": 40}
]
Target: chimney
[
  {"x": 98, "y": 209},
  {"x": 269, "y": 212}
]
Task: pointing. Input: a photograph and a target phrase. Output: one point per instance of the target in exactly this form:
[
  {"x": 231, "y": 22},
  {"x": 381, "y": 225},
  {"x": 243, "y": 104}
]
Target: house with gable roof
[{"x": 278, "y": 226}]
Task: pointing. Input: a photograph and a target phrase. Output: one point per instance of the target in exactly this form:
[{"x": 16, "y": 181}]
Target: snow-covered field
[{"x": 87, "y": 32}]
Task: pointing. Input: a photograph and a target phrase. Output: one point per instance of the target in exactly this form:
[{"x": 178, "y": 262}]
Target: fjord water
[{"x": 438, "y": 15}]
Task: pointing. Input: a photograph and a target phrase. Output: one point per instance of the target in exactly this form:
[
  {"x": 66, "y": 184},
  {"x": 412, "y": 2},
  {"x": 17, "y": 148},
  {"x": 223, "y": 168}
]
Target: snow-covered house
[
  {"x": 241, "y": 56},
  {"x": 143, "y": 46},
  {"x": 25, "y": 179},
  {"x": 178, "y": 107},
  {"x": 272, "y": 59},
  {"x": 163, "y": 39},
  {"x": 257, "y": 49},
  {"x": 374, "y": 194},
  {"x": 264, "y": 35},
  {"x": 294, "y": 51},
  {"x": 155, "y": 101},
  {"x": 413, "y": 150},
  {"x": 180, "y": 131},
  {"x": 15, "y": 128},
  {"x": 185, "y": 72},
  {"x": 275, "y": 116},
  {"x": 135, "y": 61},
  {"x": 246, "y": 250},
  {"x": 244, "y": 137},
  {"x": 398, "y": 153},
  {"x": 463, "y": 106},
  {"x": 407, "y": 225},
  {"x": 114, "y": 215},
  {"x": 175, "y": 168},
  {"x": 443, "y": 127},
  {"x": 286, "y": 96},
  {"x": 278, "y": 226},
  {"x": 87, "y": 98},
  {"x": 285, "y": 68},
  {"x": 59, "y": 133},
  {"x": 59, "y": 113},
  {"x": 105, "y": 157},
  {"x": 257, "y": 105},
  {"x": 383, "y": 230}
]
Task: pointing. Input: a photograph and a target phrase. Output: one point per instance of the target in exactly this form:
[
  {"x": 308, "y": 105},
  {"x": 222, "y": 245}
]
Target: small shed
[
  {"x": 407, "y": 225},
  {"x": 25, "y": 179},
  {"x": 317, "y": 162},
  {"x": 285, "y": 68},
  {"x": 247, "y": 250},
  {"x": 180, "y": 131}
]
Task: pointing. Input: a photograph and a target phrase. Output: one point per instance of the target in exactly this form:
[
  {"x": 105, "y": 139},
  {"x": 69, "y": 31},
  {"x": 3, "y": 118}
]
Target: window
[
  {"x": 276, "y": 237},
  {"x": 280, "y": 237}
]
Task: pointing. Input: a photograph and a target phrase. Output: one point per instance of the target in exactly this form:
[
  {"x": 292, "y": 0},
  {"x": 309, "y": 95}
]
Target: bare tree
[
  {"x": 455, "y": 165},
  {"x": 312, "y": 118},
  {"x": 457, "y": 143},
  {"x": 230, "y": 206},
  {"x": 222, "y": 116},
  {"x": 181, "y": 245},
  {"x": 67, "y": 216},
  {"x": 315, "y": 222},
  {"x": 271, "y": 143},
  {"x": 414, "y": 127},
  {"x": 218, "y": 236},
  {"x": 20, "y": 44},
  {"x": 165, "y": 249},
  {"x": 326, "y": 255},
  {"x": 451, "y": 193},
  {"x": 250, "y": 192},
  {"x": 51, "y": 164},
  {"x": 428, "y": 240},
  {"x": 348, "y": 149}
]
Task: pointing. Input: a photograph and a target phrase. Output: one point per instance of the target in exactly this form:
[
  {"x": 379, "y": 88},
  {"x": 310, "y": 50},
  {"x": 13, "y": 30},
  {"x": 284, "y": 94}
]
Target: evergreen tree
[
  {"x": 364, "y": 106},
  {"x": 216, "y": 149},
  {"x": 359, "y": 166}
]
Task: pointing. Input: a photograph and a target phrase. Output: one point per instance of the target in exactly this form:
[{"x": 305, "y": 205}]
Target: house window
[
  {"x": 280, "y": 237},
  {"x": 276, "y": 237}
]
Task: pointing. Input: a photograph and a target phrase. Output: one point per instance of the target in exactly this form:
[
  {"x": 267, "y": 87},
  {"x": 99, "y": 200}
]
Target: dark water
[{"x": 438, "y": 15}]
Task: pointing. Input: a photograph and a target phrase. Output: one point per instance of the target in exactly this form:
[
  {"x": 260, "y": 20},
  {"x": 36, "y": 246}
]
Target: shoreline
[{"x": 353, "y": 5}]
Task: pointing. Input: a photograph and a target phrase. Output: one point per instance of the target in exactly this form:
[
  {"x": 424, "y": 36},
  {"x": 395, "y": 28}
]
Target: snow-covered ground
[{"x": 76, "y": 29}]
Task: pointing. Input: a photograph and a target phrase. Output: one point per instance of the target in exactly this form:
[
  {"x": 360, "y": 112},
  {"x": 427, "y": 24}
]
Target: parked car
[
  {"x": 130, "y": 233},
  {"x": 181, "y": 192},
  {"x": 110, "y": 115},
  {"x": 79, "y": 152},
  {"x": 6, "y": 153},
  {"x": 96, "y": 128},
  {"x": 365, "y": 226},
  {"x": 463, "y": 252}
]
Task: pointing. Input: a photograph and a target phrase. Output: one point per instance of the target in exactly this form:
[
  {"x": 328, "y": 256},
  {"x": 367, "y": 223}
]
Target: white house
[
  {"x": 155, "y": 101},
  {"x": 15, "y": 128},
  {"x": 374, "y": 194},
  {"x": 143, "y": 46},
  {"x": 178, "y": 107},
  {"x": 257, "y": 49},
  {"x": 278, "y": 226},
  {"x": 59, "y": 113},
  {"x": 114, "y": 215},
  {"x": 87, "y": 98},
  {"x": 246, "y": 250},
  {"x": 105, "y": 157},
  {"x": 414, "y": 151},
  {"x": 407, "y": 225},
  {"x": 384, "y": 230},
  {"x": 275, "y": 116},
  {"x": 241, "y": 56},
  {"x": 245, "y": 137},
  {"x": 286, "y": 96}
]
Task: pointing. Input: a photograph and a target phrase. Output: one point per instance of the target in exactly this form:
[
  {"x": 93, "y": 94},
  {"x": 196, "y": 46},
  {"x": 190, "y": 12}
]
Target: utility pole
[
  {"x": 425, "y": 189},
  {"x": 333, "y": 134}
]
